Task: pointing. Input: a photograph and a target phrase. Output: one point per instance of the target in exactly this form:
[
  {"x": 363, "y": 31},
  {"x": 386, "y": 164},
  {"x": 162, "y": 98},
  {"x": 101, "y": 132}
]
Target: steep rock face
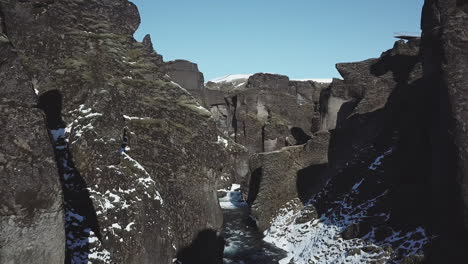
[
  {"x": 368, "y": 84},
  {"x": 186, "y": 74},
  {"x": 235, "y": 158},
  {"x": 138, "y": 155},
  {"x": 373, "y": 206},
  {"x": 31, "y": 215},
  {"x": 262, "y": 113},
  {"x": 279, "y": 177},
  {"x": 445, "y": 58}
]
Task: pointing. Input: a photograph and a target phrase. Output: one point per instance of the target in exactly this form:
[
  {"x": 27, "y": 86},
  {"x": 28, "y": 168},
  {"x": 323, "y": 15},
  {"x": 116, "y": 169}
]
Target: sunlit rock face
[
  {"x": 31, "y": 215},
  {"x": 187, "y": 75},
  {"x": 265, "y": 112},
  {"x": 139, "y": 158}
]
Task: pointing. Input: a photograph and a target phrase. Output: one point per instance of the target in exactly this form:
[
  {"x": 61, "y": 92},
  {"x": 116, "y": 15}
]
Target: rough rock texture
[
  {"x": 187, "y": 75},
  {"x": 279, "y": 177},
  {"x": 235, "y": 160},
  {"x": 267, "y": 111},
  {"x": 445, "y": 59},
  {"x": 397, "y": 174},
  {"x": 31, "y": 215},
  {"x": 367, "y": 85},
  {"x": 139, "y": 157},
  {"x": 378, "y": 157}
]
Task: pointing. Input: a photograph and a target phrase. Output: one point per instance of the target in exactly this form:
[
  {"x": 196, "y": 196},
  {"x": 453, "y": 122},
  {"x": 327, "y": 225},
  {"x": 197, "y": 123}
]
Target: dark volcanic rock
[
  {"x": 31, "y": 215},
  {"x": 374, "y": 190},
  {"x": 278, "y": 177},
  {"x": 267, "y": 111},
  {"x": 445, "y": 59},
  {"x": 187, "y": 75},
  {"x": 367, "y": 85},
  {"x": 139, "y": 157},
  {"x": 352, "y": 231}
]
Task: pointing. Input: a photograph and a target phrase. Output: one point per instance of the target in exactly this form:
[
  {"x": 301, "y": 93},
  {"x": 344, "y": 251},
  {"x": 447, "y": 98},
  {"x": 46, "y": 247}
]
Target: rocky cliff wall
[
  {"x": 187, "y": 75},
  {"x": 266, "y": 112},
  {"x": 370, "y": 204},
  {"x": 139, "y": 157},
  {"x": 31, "y": 215},
  {"x": 445, "y": 58}
]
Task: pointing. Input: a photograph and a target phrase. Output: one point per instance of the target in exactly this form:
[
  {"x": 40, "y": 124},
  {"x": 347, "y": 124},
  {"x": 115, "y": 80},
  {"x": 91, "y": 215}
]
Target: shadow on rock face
[
  {"x": 51, "y": 103},
  {"x": 206, "y": 248},
  {"x": 400, "y": 65},
  {"x": 309, "y": 181},
  {"x": 345, "y": 111},
  {"x": 254, "y": 185},
  {"x": 80, "y": 215},
  {"x": 299, "y": 135}
]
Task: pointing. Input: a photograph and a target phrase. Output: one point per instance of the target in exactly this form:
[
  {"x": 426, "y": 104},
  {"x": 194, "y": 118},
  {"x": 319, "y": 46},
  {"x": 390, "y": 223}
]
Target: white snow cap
[
  {"x": 231, "y": 78},
  {"x": 238, "y": 77},
  {"x": 315, "y": 80}
]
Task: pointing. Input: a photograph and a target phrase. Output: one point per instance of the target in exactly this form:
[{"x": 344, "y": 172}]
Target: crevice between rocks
[{"x": 81, "y": 223}]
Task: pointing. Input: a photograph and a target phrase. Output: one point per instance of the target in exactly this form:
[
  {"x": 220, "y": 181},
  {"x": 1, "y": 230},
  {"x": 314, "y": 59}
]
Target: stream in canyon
[{"x": 244, "y": 243}]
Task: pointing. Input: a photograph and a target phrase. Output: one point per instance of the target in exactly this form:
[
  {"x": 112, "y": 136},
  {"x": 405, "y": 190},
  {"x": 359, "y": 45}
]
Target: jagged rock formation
[
  {"x": 187, "y": 75},
  {"x": 396, "y": 155},
  {"x": 138, "y": 156},
  {"x": 31, "y": 215},
  {"x": 374, "y": 149},
  {"x": 338, "y": 173},
  {"x": 265, "y": 112}
]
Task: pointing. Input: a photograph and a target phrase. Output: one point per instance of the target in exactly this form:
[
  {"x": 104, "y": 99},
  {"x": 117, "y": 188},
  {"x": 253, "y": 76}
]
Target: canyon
[{"x": 110, "y": 154}]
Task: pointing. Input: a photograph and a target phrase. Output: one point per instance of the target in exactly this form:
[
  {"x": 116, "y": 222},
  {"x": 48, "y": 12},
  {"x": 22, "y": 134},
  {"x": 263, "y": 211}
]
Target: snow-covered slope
[{"x": 320, "y": 239}]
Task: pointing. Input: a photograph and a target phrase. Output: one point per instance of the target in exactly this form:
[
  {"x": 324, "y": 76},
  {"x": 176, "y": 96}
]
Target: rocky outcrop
[
  {"x": 367, "y": 85},
  {"x": 279, "y": 177},
  {"x": 395, "y": 121},
  {"x": 31, "y": 215},
  {"x": 187, "y": 75},
  {"x": 266, "y": 112},
  {"x": 139, "y": 157},
  {"x": 372, "y": 199},
  {"x": 445, "y": 58}
]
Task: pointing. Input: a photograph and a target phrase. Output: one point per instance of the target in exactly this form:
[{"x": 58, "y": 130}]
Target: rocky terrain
[
  {"x": 261, "y": 112},
  {"x": 31, "y": 215},
  {"x": 110, "y": 154},
  {"x": 394, "y": 189},
  {"x": 129, "y": 178}
]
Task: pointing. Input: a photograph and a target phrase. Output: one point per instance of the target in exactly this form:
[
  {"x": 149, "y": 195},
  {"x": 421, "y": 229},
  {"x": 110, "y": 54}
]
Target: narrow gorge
[{"x": 110, "y": 154}]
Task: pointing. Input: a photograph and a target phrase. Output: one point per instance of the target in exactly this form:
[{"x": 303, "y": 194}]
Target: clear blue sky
[{"x": 298, "y": 38}]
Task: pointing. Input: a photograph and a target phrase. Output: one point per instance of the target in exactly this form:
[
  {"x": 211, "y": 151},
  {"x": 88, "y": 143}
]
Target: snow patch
[
  {"x": 128, "y": 228},
  {"x": 314, "y": 80},
  {"x": 378, "y": 161},
  {"x": 319, "y": 240},
  {"x": 231, "y": 78},
  {"x": 147, "y": 181},
  {"x": 222, "y": 141},
  {"x": 135, "y": 117}
]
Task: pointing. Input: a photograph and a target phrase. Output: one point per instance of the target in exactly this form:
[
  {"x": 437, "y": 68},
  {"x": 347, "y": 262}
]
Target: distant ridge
[{"x": 235, "y": 77}]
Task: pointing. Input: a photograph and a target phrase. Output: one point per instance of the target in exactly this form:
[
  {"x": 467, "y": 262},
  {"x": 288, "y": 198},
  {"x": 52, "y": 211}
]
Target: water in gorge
[{"x": 244, "y": 244}]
